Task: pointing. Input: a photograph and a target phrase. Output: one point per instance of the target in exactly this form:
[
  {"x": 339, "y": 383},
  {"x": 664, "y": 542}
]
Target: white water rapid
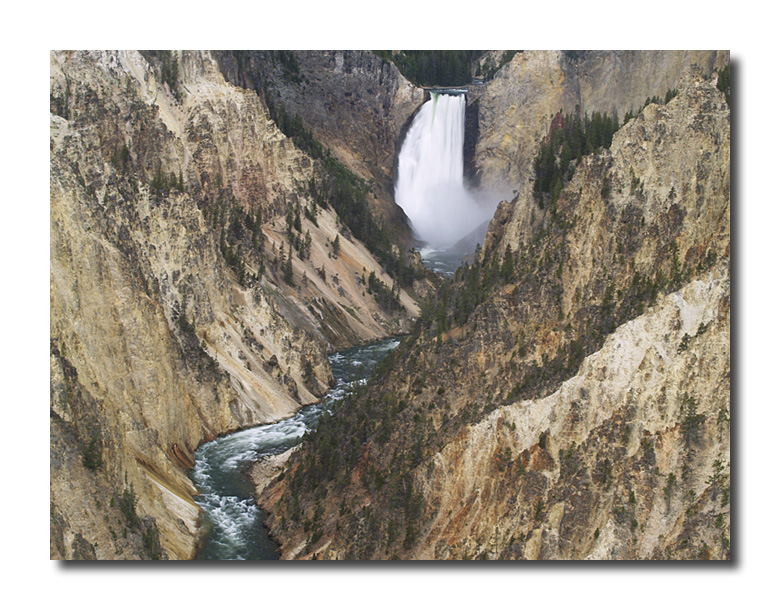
[
  {"x": 430, "y": 186},
  {"x": 232, "y": 523}
]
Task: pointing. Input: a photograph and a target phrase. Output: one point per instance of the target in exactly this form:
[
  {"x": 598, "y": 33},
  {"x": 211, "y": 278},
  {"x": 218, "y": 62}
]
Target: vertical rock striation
[
  {"x": 517, "y": 106},
  {"x": 181, "y": 307},
  {"x": 567, "y": 396}
]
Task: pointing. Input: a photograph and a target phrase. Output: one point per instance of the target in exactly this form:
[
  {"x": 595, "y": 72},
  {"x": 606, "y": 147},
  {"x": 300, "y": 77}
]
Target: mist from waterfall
[{"x": 430, "y": 187}]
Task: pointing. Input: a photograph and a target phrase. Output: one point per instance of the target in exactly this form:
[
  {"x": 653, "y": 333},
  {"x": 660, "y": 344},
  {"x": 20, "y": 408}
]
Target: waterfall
[{"x": 430, "y": 187}]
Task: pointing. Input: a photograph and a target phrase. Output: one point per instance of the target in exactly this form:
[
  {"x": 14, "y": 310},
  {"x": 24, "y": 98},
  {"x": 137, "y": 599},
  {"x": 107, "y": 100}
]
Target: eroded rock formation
[
  {"x": 184, "y": 303},
  {"x": 568, "y": 395},
  {"x": 517, "y": 106}
]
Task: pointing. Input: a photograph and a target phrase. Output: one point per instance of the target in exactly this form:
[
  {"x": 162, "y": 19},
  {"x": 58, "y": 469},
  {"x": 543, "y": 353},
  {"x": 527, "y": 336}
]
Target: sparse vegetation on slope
[{"x": 511, "y": 327}]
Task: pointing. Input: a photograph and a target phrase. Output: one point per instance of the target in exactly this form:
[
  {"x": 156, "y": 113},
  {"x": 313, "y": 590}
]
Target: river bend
[{"x": 232, "y": 526}]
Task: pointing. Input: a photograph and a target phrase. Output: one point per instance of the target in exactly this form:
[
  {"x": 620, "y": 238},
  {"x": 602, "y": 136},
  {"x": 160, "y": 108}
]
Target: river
[
  {"x": 443, "y": 261},
  {"x": 232, "y": 523}
]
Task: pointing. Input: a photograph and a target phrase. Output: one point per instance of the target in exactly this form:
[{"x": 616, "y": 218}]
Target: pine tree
[
  {"x": 158, "y": 182},
  {"x": 556, "y": 191},
  {"x": 289, "y": 221},
  {"x": 724, "y": 82},
  {"x": 288, "y": 268},
  {"x": 297, "y": 219},
  {"x": 508, "y": 266}
]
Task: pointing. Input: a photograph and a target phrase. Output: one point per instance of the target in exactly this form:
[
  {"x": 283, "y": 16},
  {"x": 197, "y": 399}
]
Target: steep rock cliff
[
  {"x": 568, "y": 396},
  {"x": 516, "y": 107},
  {"x": 179, "y": 308},
  {"x": 353, "y": 101}
]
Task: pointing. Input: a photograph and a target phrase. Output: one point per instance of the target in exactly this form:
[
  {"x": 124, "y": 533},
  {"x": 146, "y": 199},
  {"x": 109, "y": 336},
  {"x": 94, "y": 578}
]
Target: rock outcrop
[
  {"x": 183, "y": 304},
  {"x": 353, "y": 101},
  {"x": 568, "y": 395},
  {"x": 517, "y": 106}
]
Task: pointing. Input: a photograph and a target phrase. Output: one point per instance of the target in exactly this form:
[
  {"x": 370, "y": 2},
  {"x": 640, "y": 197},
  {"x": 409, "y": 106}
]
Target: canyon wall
[
  {"x": 517, "y": 106},
  {"x": 567, "y": 397},
  {"x": 353, "y": 101},
  {"x": 195, "y": 289}
]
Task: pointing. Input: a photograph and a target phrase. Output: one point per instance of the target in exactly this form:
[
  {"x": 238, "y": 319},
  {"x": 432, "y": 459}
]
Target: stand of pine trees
[
  {"x": 571, "y": 137},
  {"x": 433, "y": 68}
]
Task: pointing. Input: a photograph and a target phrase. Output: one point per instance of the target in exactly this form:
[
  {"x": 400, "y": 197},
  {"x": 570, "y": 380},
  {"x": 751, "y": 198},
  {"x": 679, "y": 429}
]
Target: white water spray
[
  {"x": 233, "y": 523},
  {"x": 430, "y": 186}
]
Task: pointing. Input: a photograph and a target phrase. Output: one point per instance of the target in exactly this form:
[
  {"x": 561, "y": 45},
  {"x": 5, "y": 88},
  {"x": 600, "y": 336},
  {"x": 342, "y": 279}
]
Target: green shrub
[
  {"x": 127, "y": 506},
  {"x": 724, "y": 82},
  {"x": 684, "y": 343},
  {"x": 92, "y": 457}
]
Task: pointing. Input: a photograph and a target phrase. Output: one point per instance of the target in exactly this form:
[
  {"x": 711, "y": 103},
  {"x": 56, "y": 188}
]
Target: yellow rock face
[
  {"x": 156, "y": 343},
  {"x": 582, "y": 410}
]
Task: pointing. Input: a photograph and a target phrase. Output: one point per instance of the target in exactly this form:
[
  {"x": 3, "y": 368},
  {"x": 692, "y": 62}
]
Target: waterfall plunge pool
[
  {"x": 443, "y": 261},
  {"x": 446, "y": 215},
  {"x": 232, "y": 525}
]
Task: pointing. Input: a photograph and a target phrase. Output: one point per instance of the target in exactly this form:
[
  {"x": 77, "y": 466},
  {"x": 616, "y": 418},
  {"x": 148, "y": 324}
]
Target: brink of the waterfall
[{"x": 430, "y": 186}]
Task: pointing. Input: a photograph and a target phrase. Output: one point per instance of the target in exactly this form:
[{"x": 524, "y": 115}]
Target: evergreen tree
[
  {"x": 288, "y": 267},
  {"x": 508, "y": 266},
  {"x": 297, "y": 219},
  {"x": 724, "y": 82},
  {"x": 289, "y": 223}
]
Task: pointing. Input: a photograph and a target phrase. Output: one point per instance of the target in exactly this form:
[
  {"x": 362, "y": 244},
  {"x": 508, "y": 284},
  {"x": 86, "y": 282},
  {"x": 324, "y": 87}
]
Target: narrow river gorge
[
  {"x": 232, "y": 525},
  {"x": 552, "y": 283}
]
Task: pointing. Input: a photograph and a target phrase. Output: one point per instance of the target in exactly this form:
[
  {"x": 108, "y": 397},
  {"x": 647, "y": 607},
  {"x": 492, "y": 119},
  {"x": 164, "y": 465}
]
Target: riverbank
[
  {"x": 231, "y": 471},
  {"x": 262, "y": 472}
]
